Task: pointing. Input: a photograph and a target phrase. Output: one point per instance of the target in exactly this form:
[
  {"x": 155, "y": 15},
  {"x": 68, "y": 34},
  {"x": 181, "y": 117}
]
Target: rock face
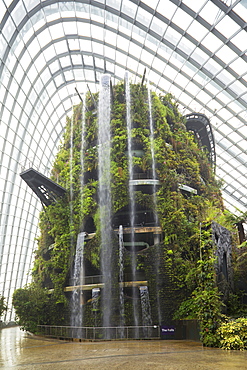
[{"x": 222, "y": 239}]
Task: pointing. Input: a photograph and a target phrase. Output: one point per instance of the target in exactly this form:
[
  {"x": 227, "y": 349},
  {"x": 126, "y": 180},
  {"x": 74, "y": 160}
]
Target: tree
[
  {"x": 36, "y": 306},
  {"x": 3, "y": 306}
]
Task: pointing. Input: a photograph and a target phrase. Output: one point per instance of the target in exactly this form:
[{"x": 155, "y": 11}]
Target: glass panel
[
  {"x": 186, "y": 46},
  {"x": 34, "y": 48},
  {"x": 2, "y": 10},
  {"x": 199, "y": 56},
  {"x": 152, "y": 3},
  {"x": 70, "y": 28},
  {"x": 237, "y": 87},
  {"x": 195, "y": 5},
  {"x": 241, "y": 10},
  {"x": 30, "y": 4},
  {"x": 170, "y": 9},
  {"x": 18, "y": 13},
  {"x": 143, "y": 17},
  {"x": 173, "y": 36},
  {"x": 44, "y": 38},
  {"x": 226, "y": 54},
  {"x": 129, "y": 8},
  {"x": 227, "y": 27},
  {"x": 238, "y": 40},
  {"x": 114, "y": 3},
  {"x": 182, "y": 19},
  {"x": 8, "y": 29},
  {"x": 239, "y": 65},
  {"x": 61, "y": 47},
  {"x": 158, "y": 26},
  {"x": 225, "y": 77},
  {"x": 211, "y": 42},
  {"x": 210, "y": 12}
]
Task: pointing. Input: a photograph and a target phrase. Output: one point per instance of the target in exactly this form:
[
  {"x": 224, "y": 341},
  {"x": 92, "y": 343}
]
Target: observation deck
[
  {"x": 47, "y": 190},
  {"x": 201, "y": 126}
]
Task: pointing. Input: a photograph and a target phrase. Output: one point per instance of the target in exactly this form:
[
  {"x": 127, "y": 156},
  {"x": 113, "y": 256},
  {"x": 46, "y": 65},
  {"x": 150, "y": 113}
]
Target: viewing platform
[
  {"x": 47, "y": 190},
  {"x": 136, "y": 229},
  {"x": 125, "y": 284},
  {"x": 152, "y": 182}
]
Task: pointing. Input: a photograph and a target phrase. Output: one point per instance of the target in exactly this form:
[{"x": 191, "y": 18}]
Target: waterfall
[
  {"x": 82, "y": 150},
  {"x": 78, "y": 280},
  {"x": 131, "y": 198},
  {"x": 146, "y": 309},
  {"x": 71, "y": 157},
  {"x": 104, "y": 176},
  {"x": 151, "y": 126},
  {"x": 95, "y": 303},
  {"x": 157, "y": 260},
  {"x": 121, "y": 279}
]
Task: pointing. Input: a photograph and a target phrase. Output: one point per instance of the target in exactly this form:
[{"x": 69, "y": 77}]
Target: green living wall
[{"x": 185, "y": 253}]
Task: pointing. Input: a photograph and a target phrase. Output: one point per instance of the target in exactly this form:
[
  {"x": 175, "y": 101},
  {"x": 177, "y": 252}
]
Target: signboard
[{"x": 167, "y": 330}]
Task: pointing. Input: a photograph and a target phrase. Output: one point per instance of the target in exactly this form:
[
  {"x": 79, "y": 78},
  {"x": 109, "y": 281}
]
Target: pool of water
[{"x": 23, "y": 351}]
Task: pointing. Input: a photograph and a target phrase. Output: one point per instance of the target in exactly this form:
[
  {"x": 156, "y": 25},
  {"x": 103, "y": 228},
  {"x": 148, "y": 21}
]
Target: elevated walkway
[
  {"x": 137, "y": 230},
  {"x": 125, "y": 284},
  {"x": 200, "y": 125},
  {"x": 47, "y": 190}
]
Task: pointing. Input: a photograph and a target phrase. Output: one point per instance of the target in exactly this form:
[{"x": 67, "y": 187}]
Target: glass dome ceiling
[{"x": 195, "y": 50}]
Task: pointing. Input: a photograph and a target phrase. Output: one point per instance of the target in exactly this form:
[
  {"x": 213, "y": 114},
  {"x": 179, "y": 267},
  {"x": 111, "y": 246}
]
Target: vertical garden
[{"x": 173, "y": 249}]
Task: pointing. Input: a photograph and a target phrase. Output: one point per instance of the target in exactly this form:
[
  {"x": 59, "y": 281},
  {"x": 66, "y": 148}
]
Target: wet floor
[{"x": 22, "y": 351}]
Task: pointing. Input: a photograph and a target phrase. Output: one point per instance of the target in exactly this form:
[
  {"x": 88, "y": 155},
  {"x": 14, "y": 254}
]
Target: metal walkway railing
[{"x": 100, "y": 333}]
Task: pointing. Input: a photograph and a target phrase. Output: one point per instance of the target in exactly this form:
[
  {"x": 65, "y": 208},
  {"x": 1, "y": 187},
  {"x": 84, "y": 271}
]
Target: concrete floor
[{"x": 22, "y": 351}]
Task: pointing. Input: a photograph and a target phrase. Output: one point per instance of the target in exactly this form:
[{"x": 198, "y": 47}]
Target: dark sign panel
[{"x": 167, "y": 330}]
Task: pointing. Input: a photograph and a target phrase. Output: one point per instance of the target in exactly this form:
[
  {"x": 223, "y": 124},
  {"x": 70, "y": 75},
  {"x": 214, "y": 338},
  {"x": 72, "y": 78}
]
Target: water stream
[
  {"x": 104, "y": 147},
  {"x": 157, "y": 260},
  {"x": 151, "y": 136},
  {"x": 131, "y": 199},
  {"x": 146, "y": 309},
  {"x": 82, "y": 150},
  {"x": 78, "y": 281},
  {"x": 95, "y": 303},
  {"x": 121, "y": 279}
]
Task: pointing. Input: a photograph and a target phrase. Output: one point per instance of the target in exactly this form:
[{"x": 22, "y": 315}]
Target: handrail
[{"x": 100, "y": 333}]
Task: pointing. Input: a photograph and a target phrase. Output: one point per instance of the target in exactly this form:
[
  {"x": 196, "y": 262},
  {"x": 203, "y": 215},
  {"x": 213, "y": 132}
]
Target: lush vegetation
[
  {"x": 233, "y": 334},
  {"x": 3, "y": 306},
  {"x": 184, "y": 283},
  {"x": 34, "y": 306}
]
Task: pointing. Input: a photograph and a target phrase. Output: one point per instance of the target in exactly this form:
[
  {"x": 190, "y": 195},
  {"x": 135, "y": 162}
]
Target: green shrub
[
  {"x": 37, "y": 306},
  {"x": 233, "y": 334},
  {"x": 3, "y": 306}
]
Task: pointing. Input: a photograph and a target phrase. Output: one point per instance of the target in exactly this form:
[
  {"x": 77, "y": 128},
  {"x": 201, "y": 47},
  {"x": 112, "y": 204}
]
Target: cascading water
[
  {"x": 146, "y": 309},
  {"x": 82, "y": 151},
  {"x": 104, "y": 175},
  {"x": 157, "y": 260},
  {"x": 131, "y": 198},
  {"x": 121, "y": 279},
  {"x": 71, "y": 157},
  {"x": 78, "y": 269},
  {"x": 78, "y": 281},
  {"x": 151, "y": 136},
  {"x": 95, "y": 303}
]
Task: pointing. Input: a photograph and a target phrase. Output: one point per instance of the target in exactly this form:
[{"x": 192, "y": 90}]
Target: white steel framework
[{"x": 195, "y": 50}]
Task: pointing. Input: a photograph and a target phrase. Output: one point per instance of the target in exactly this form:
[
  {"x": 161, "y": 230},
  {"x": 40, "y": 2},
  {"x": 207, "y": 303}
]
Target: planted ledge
[
  {"x": 137, "y": 182},
  {"x": 142, "y": 230},
  {"x": 187, "y": 188},
  {"x": 125, "y": 284}
]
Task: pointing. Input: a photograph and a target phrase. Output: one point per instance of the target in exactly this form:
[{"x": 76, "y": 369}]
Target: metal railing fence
[{"x": 100, "y": 333}]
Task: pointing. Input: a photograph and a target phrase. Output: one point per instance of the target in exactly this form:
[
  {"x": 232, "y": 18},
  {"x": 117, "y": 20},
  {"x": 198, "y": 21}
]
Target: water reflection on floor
[{"x": 22, "y": 351}]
